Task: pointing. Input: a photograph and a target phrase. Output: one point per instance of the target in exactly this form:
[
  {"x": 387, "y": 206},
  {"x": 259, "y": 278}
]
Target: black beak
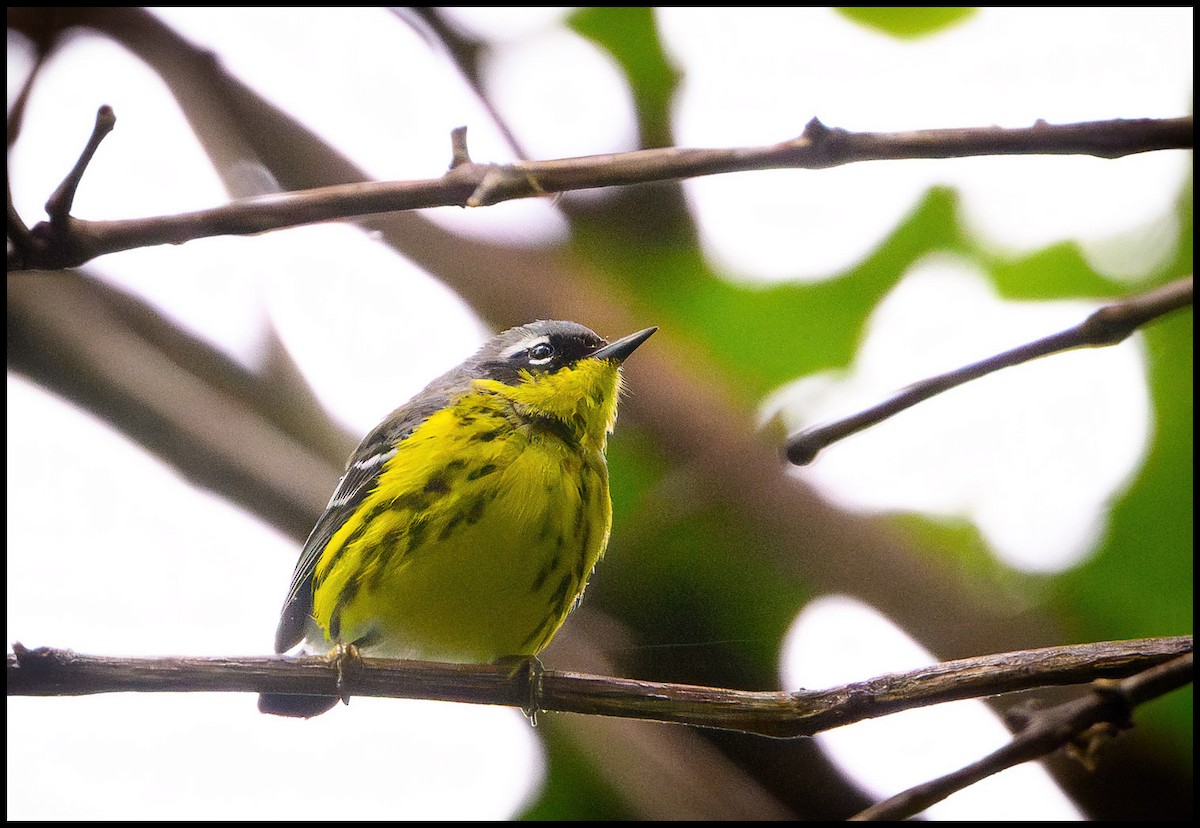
[{"x": 618, "y": 351}]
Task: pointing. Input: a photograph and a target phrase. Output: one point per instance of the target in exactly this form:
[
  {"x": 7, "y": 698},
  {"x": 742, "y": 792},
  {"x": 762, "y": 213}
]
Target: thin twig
[
  {"x": 1083, "y": 723},
  {"x": 56, "y": 672},
  {"x": 459, "y": 154},
  {"x": 476, "y": 185},
  {"x": 58, "y": 206},
  {"x": 463, "y": 52},
  {"x": 1107, "y": 326}
]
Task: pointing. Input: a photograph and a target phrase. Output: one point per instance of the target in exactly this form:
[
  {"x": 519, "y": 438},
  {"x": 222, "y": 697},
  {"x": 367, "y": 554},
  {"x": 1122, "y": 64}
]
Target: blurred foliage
[
  {"x": 573, "y": 790},
  {"x": 682, "y": 570},
  {"x": 907, "y": 22},
  {"x": 680, "y": 564},
  {"x": 809, "y": 327},
  {"x": 652, "y": 77}
]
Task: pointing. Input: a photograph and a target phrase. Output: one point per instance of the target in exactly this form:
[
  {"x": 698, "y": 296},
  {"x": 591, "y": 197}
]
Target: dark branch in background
[
  {"x": 68, "y": 242},
  {"x": 1109, "y": 325},
  {"x": 54, "y": 672},
  {"x": 219, "y": 425},
  {"x": 1082, "y": 724},
  {"x": 20, "y": 240}
]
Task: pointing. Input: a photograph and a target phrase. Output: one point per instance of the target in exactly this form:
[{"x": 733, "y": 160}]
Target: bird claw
[
  {"x": 532, "y": 668},
  {"x": 346, "y": 658}
]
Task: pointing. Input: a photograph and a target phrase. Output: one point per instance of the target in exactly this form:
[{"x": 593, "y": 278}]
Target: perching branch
[
  {"x": 55, "y": 672},
  {"x": 1109, "y": 325},
  {"x": 1082, "y": 724},
  {"x": 67, "y": 242}
]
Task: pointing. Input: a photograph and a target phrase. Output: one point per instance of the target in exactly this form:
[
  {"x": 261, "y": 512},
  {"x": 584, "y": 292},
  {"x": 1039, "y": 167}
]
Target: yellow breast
[{"x": 478, "y": 539}]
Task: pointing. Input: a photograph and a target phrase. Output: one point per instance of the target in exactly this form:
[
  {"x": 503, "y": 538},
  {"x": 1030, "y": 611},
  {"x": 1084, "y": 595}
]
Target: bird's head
[{"x": 558, "y": 371}]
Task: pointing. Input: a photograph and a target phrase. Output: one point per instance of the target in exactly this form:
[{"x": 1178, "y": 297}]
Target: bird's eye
[{"x": 541, "y": 353}]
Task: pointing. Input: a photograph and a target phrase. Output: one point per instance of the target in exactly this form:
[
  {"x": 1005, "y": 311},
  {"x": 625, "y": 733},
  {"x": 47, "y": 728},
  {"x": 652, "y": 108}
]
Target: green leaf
[
  {"x": 573, "y": 790},
  {"x": 907, "y": 22},
  {"x": 763, "y": 337},
  {"x": 631, "y": 37}
]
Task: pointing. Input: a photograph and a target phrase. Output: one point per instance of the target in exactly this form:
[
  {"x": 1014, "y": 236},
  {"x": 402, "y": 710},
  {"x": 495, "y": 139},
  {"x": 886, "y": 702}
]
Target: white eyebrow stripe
[{"x": 523, "y": 345}]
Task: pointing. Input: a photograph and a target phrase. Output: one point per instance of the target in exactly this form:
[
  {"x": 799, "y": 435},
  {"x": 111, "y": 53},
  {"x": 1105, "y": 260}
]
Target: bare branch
[
  {"x": 459, "y": 154},
  {"x": 470, "y": 184},
  {"x": 461, "y": 51},
  {"x": 1107, "y": 326},
  {"x": 1083, "y": 723},
  {"x": 60, "y": 235},
  {"x": 55, "y": 672},
  {"x": 58, "y": 206}
]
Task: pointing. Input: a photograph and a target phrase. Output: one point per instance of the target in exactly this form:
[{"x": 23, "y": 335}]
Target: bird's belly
[{"x": 489, "y": 568}]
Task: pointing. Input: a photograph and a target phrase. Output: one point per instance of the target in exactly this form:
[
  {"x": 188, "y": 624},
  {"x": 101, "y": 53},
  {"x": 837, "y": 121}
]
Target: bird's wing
[{"x": 360, "y": 478}]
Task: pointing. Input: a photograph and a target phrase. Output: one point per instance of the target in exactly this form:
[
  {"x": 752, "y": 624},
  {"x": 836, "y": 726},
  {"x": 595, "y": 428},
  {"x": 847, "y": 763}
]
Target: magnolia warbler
[{"x": 467, "y": 523}]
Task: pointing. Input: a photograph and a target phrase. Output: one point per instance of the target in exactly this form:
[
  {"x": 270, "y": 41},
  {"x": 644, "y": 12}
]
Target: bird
[{"x": 467, "y": 524}]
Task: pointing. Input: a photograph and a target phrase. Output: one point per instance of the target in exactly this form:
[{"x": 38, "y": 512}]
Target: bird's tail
[{"x": 296, "y": 706}]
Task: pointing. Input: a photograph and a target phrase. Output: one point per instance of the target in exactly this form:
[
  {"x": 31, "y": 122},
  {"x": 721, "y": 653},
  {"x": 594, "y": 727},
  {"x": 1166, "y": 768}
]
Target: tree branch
[
  {"x": 219, "y": 425},
  {"x": 1080, "y": 723},
  {"x": 55, "y": 672},
  {"x": 65, "y": 243},
  {"x": 1109, "y": 325},
  {"x": 58, "y": 206}
]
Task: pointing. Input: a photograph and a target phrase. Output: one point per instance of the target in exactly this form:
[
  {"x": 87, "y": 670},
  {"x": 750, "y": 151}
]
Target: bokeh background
[{"x": 177, "y": 416}]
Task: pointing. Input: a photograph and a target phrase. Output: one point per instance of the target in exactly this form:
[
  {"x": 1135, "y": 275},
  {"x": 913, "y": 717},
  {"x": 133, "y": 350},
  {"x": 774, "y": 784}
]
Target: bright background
[{"x": 816, "y": 293}]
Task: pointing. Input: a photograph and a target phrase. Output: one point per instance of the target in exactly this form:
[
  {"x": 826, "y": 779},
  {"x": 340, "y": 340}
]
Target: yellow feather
[
  {"x": 488, "y": 561},
  {"x": 467, "y": 524}
]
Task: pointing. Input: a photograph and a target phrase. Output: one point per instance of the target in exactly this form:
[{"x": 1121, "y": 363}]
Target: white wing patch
[{"x": 343, "y": 494}]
